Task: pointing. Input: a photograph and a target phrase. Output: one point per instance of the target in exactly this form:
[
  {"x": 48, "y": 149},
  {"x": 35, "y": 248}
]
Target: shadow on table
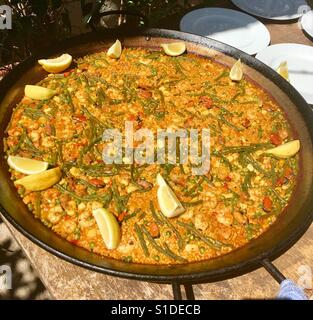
[{"x": 25, "y": 284}]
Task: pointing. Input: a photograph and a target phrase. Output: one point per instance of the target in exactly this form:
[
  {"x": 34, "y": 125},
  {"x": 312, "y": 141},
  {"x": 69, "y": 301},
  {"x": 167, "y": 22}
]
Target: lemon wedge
[
  {"x": 38, "y": 93},
  {"x": 115, "y": 50},
  {"x": 236, "y": 72},
  {"x": 58, "y": 64},
  {"x": 108, "y": 226},
  {"x": 174, "y": 49},
  {"x": 26, "y": 165},
  {"x": 286, "y": 150},
  {"x": 168, "y": 202},
  {"x": 283, "y": 70},
  {"x": 41, "y": 181}
]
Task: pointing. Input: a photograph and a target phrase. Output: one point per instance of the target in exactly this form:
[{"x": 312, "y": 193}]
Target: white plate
[
  {"x": 307, "y": 23},
  {"x": 300, "y": 64},
  {"x": 229, "y": 26},
  {"x": 274, "y": 9}
]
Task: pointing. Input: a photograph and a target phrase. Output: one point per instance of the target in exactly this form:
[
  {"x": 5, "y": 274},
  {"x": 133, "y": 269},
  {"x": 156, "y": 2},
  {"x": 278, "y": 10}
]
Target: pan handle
[
  {"x": 288, "y": 289},
  {"x": 273, "y": 271},
  {"x": 267, "y": 264},
  {"x": 177, "y": 291}
]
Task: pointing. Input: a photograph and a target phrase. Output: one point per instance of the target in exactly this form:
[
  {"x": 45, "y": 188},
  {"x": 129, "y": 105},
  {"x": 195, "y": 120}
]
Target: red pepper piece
[{"x": 267, "y": 204}]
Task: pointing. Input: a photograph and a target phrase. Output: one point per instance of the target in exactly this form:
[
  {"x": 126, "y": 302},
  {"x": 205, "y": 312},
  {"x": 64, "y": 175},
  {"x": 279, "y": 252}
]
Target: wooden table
[{"x": 66, "y": 281}]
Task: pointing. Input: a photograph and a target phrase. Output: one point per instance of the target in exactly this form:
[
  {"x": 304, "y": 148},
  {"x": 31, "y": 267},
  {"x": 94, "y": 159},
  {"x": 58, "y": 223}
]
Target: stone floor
[{"x": 25, "y": 282}]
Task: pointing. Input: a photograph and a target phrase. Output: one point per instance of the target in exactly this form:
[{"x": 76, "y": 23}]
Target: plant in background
[
  {"x": 35, "y": 23},
  {"x": 153, "y": 11},
  {"x": 156, "y": 10}
]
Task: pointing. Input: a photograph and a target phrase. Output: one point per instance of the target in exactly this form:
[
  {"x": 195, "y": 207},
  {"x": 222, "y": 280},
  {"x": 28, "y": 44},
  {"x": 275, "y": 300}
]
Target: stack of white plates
[
  {"x": 229, "y": 26},
  {"x": 307, "y": 23},
  {"x": 274, "y": 9}
]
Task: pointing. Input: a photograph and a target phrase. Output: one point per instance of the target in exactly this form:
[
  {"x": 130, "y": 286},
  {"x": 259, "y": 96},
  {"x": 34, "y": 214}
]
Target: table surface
[{"x": 66, "y": 281}]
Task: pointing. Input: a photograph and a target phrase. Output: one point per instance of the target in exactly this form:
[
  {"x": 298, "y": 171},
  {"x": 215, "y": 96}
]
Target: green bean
[
  {"x": 114, "y": 102},
  {"x": 198, "y": 94},
  {"x": 152, "y": 69},
  {"x": 249, "y": 149},
  {"x": 129, "y": 216},
  {"x": 181, "y": 168},
  {"x": 101, "y": 96},
  {"x": 235, "y": 96},
  {"x": 86, "y": 81},
  {"x": 208, "y": 240},
  {"x": 98, "y": 170},
  {"x": 178, "y": 67},
  {"x": 101, "y": 80},
  {"x": 165, "y": 250},
  {"x": 68, "y": 99},
  {"x": 292, "y": 163},
  {"x": 167, "y": 167},
  {"x": 208, "y": 180},
  {"x": 180, "y": 239},
  {"x": 87, "y": 148},
  {"x": 150, "y": 106},
  {"x": 53, "y": 131},
  {"x": 128, "y": 90},
  {"x": 53, "y": 159},
  {"x": 37, "y": 204},
  {"x": 54, "y": 108},
  {"x": 250, "y": 102},
  {"x": 277, "y": 196},
  {"x": 251, "y": 229},
  {"x": 190, "y": 60},
  {"x": 272, "y": 174},
  {"x": 154, "y": 214},
  {"x": 95, "y": 119},
  {"x": 141, "y": 240},
  {"x": 222, "y": 75},
  {"x": 106, "y": 198},
  {"x": 247, "y": 159},
  {"x": 60, "y": 151},
  {"x": 224, "y": 159},
  {"x": 132, "y": 169},
  {"x": 232, "y": 201},
  {"x": 195, "y": 189},
  {"x": 225, "y": 111},
  {"x": 173, "y": 255},
  {"x": 192, "y": 203},
  {"x": 142, "y": 216},
  {"x": 161, "y": 95},
  {"x": 120, "y": 201},
  {"x": 229, "y": 124},
  {"x": 178, "y": 112},
  {"x": 153, "y": 56},
  {"x": 247, "y": 181},
  {"x": 35, "y": 114},
  {"x": 30, "y": 146},
  {"x": 171, "y": 83},
  {"x": 87, "y": 184},
  {"x": 42, "y": 103},
  {"x": 20, "y": 141}
]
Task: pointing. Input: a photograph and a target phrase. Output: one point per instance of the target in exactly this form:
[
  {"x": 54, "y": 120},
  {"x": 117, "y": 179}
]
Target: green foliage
[
  {"x": 156, "y": 10},
  {"x": 153, "y": 10},
  {"x": 35, "y": 23}
]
